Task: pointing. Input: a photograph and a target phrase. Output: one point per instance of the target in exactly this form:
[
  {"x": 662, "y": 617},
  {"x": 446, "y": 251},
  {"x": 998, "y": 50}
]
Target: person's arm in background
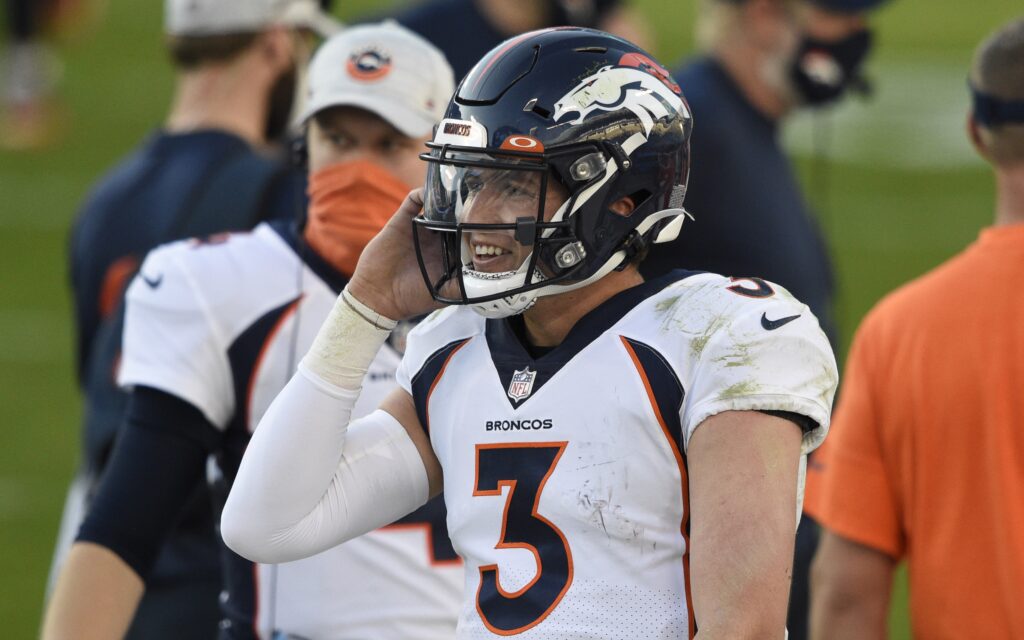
[
  {"x": 94, "y": 598},
  {"x": 851, "y": 586},
  {"x": 851, "y": 495},
  {"x": 84, "y": 298},
  {"x": 743, "y": 470},
  {"x": 159, "y": 457}
]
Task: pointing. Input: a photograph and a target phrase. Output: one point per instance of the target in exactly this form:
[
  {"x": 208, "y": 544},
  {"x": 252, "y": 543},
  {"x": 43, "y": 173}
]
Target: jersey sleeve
[
  {"x": 171, "y": 342},
  {"x": 762, "y": 355},
  {"x": 849, "y": 490},
  {"x": 429, "y": 335},
  {"x": 402, "y": 375}
]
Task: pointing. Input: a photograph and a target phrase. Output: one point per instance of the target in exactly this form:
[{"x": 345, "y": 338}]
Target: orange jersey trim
[
  {"x": 287, "y": 313},
  {"x": 683, "y": 480}
]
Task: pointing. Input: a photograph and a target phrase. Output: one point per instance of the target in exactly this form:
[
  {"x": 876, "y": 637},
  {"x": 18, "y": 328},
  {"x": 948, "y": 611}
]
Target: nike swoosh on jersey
[
  {"x": 153, "y": 282},
  {"x": 772, "y": 325}
]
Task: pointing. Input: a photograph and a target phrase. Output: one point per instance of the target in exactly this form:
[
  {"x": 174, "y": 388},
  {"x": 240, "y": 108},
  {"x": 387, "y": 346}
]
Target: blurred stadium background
[{"x": 894, "y": 179}]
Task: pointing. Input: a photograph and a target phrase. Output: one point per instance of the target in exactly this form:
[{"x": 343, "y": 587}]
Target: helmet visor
[
  {"x": 494, "y": 212},
  {"x": 499, "y": 204}
]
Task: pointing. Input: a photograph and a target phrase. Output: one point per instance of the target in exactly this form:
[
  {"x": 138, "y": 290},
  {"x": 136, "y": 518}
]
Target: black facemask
[
  {"x": 823, "y": 70},
  {"x": 279, "y": 105}
]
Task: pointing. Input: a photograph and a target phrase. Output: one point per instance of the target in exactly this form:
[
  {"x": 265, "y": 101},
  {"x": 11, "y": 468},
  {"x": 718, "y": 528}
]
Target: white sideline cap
[
  {"x": 218, "y": 17},
  {"x": 385, "y": 69}
]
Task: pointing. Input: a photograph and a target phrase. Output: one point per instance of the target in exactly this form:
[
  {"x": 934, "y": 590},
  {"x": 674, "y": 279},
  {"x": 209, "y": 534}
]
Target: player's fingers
[
  {"x": 451, "y": 290},
  {"x": 412, "y": 204}
]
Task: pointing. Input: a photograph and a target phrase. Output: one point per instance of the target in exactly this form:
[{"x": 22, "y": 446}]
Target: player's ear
[
  {"x": 974, "y": 133},
  {"x": 623, "y": 206},
  {"x": 277, "y": 47}
]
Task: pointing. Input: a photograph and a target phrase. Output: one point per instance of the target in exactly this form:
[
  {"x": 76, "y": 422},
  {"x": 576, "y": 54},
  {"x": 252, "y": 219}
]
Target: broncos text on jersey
[{"x": 565, "y": 475}]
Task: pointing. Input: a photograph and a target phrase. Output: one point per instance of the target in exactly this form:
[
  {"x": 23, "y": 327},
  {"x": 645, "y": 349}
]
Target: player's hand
[{"x": 388, "y": 277}]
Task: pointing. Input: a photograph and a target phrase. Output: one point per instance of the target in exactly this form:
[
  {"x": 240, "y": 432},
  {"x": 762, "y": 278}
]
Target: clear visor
[
  {"x": 498, "y": 204},
  {"x": 468, "y": 188},
  {"x": 499, "y": 218}
]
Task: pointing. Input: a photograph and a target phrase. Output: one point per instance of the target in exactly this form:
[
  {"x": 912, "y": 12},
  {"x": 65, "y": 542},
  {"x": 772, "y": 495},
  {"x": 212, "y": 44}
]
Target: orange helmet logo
[
  {"x": 368, "y": 64},
  {"x": 523, "y": 143}
]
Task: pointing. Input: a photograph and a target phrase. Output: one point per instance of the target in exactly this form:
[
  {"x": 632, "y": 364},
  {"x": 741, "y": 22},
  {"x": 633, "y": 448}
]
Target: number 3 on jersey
[{"x": 524, "y": 468}]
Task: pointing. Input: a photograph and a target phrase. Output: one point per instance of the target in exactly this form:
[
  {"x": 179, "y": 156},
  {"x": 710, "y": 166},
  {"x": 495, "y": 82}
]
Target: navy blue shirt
[
  {"x": 460, "y": 31},
  {"x": 141, "y": 203},
  {"x": 750, "y": 216},
  {"x": 457, "y": 28},
  {"x": 173, "y": 186}
]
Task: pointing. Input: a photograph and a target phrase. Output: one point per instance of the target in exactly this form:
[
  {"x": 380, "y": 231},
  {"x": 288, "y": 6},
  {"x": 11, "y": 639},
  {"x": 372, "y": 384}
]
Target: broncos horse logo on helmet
[
  {"x": 614, "y": 88},
  {"x": 605, "y": 123}
]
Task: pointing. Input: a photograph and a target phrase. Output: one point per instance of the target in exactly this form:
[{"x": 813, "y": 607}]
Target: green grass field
[{"x": 903, "y": 193}]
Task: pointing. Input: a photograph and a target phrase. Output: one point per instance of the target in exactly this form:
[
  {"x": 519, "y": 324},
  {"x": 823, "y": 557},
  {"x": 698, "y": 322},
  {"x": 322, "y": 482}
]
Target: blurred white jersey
[
  {"x": 222, "y": 324},
  {"x": 565, "y": 474}
]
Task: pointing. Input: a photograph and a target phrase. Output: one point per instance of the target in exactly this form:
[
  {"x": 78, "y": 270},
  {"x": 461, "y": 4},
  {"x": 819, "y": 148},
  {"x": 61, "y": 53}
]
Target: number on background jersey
[
  {"x": 210, "y": 240},
  {"x": 432, "y": 517},
  {"x": 523, "y": 468}
]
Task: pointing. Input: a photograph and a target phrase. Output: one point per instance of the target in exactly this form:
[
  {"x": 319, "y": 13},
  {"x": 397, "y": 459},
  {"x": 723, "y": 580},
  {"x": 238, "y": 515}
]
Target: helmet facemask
[
  {"x": 564, "y": 107},
  {"x": 506, "y": 222}
]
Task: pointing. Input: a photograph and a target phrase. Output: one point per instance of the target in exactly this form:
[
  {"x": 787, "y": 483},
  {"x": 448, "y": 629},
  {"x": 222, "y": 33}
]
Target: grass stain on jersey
[
  {"x": 666, "y": 305},
  {"x": 738, "y": 356},
  {"x": 826, "y": 381},
  {"x": 740, "y": 389},
  {"x": 666, "y": 309},
  {"x": 699, "y": 342}
]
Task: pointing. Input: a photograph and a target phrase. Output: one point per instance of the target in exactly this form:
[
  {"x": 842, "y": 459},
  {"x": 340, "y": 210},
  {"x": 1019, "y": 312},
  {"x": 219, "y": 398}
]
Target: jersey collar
[
  {"x": 291, "y": 234},
  {"x": 509, "y": 355}
]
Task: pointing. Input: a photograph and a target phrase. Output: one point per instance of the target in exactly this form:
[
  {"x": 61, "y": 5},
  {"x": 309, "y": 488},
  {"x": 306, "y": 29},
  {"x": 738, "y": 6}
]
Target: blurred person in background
[
  {"x": 761, "y": 61},
  {"x": 925, "y": 462},
  {"x": 32, "y": 115},
  {"x": 467, "y": 29},
  {"x": 29, "y": 72},
  {"x": 213, "y": 332},
  {"x": 205, "y": 170}
]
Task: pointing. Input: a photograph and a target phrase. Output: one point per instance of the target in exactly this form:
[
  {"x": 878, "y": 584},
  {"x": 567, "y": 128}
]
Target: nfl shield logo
[{"x": 522, "y": 384}]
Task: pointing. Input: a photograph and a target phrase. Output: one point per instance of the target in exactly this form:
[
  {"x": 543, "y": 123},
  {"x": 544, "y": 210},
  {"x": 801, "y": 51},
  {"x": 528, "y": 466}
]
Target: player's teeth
[{"x": 488, "y": 250}]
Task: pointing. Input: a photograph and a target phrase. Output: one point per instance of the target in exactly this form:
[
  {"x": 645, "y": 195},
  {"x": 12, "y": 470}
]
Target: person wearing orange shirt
[{"x": 925, "y": 461}]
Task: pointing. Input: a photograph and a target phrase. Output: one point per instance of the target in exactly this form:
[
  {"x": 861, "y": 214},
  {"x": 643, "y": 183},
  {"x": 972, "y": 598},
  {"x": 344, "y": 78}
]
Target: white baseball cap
[
  {"x": 217, "y": 17},
  {"x": 385, "y": 69}
]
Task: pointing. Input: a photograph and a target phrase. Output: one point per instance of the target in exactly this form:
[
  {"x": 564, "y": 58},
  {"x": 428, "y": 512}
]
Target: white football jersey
[
  {"x": 222, "y": 324},
  {"x": 565, "y": 475}
]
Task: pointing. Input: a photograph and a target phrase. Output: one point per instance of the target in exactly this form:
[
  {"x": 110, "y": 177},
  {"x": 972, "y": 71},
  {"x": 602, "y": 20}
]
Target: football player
[
  {"x": 619, "y": 458},
  {"x": 212, "y": 332}
]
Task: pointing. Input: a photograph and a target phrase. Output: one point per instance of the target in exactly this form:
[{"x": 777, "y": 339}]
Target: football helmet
[{"x": 563, "y": 154}]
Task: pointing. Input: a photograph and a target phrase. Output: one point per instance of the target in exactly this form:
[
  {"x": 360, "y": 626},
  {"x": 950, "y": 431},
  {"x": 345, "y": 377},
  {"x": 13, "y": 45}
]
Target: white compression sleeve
[
  {"x": 309, "y": 480},
  {"x": 347, "y": 342},
  {"x": 298, "y": 493}
]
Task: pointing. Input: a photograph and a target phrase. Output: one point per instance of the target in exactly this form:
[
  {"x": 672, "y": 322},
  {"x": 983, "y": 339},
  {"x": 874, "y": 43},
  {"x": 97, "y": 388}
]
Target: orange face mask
[{"x": 349, "y": 203}]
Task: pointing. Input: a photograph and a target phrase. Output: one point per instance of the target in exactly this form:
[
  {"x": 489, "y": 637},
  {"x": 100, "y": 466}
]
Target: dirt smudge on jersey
[
  {"x": 737, "y": 356},
  {"x": 666, "y": 306},
  {"x": 826, "y": 382},
  {"x": 700, "y": 341},
  {"x": 740, "y": 389}
]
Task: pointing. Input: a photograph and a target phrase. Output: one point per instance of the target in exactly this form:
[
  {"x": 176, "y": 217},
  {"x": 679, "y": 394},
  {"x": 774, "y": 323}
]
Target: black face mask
[
  {"x": 823, "y": 70},
  {"x": 279, "y": 105}
]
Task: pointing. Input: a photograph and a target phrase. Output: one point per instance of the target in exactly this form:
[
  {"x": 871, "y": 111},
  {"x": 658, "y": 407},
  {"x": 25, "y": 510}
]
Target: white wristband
[
  {"x": 368, "y": 314},
  {"x": 347, "y": 343}
]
